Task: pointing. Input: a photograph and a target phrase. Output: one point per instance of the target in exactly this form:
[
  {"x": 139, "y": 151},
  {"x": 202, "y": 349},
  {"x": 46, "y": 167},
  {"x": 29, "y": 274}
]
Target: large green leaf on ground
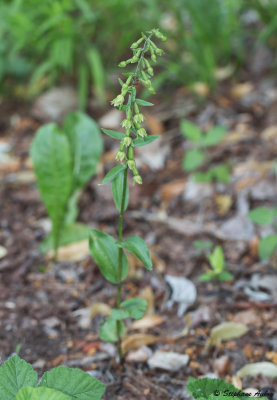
[
  {"x": 135, "y": 307},
  {"x": 41, "y": 393},
  {"x": 50, "y": 153},
  {"x": 191, "y": 131},
  {"x": 214, "y": 136},
  {"x": 73, "y": 382},
  {"x": 267, "y": 245},
  {"x": 261, "y": 215},
  {"x": 193, "y": 159},
  {"x": 136, "y": 245},
  {"x": 15, "y": 373},
  {"x": 108, "y": 331},
  {"x": 85, "y": 144},
  {"x": 105, "y": 252}
]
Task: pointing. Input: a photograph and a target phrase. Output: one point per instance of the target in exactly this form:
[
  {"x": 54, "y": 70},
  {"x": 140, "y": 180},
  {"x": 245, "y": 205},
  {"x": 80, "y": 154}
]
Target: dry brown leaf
[
  {"x": 241, "y": 89},
  {"x": 99, "y": 308},
  {"x": 222, "y": 366},
  {"x": 173, "y": 189},
  {"x": 72, "y": 252},
  {"x": 224, "y": 203},
  {"x": 148, "y": 295},
  {"x": 154, "y": 125},
  {"x": 269, "y": 133},
  {"x": 272, "y": 356},
  {"x": 248, "y": 317},
  {"x": 147, "y": 322},
  {"x": 158, "y": 262},
  {"x": 137, "y": 340}
]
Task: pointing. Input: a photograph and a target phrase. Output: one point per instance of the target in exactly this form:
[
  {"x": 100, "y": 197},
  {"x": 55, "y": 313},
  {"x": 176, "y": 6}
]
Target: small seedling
[
  {"x": 19, "y": 381},
  {"x": 218, "y": 267},
  {"x": 64, "y": 160},
  {"x": 202, "y": 245},
  {"x": 265, "y": 216},
  {"x": 195, "y": 157},
  {"x": 109, "y": 253}
]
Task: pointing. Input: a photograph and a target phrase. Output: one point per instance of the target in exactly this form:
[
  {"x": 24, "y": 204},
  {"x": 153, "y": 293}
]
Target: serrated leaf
[
  {"x": 117, "y": 190},
  {"x": 206, "y": 387},
  {"x": 216, "y": 259},
  {"x": 191, "y": 131},
  {"x": 261, "y": 215},
  {"x": 226, "y": 331},
  {"x": 113, "y": 173},
  {"x": 267, "y": 245},
  {"x": 41, "y": 393},
  {"x": 108, "y": 331},
  {"x": 135, "y": 307},
  {"x": 144, "y": 141},
  {"x": 265, "y": 368},
  {"x": 114, "y": 134},
  {"x": 85, "y": 144},
  {"x": 69, "y": 234},
  {"x": 15, "y": 373},
  {"x": 144, "y": 103},
  {"x": 73, "y": 382},
  {"x": 193, "y": 159},
  {"x": 136, "y": 245},
  {"x": 51, "y": 157},
  {"x": 104, "y": 251},
  {"x": 214, "y": 136}
]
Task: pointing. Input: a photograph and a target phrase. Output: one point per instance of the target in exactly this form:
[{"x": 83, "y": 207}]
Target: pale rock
[
  {"x": 237, "y": 228},
  {"x": 197, "y": 191},
  {"x": 183, "y": 293},
  {"x": 168, "y": 361}
]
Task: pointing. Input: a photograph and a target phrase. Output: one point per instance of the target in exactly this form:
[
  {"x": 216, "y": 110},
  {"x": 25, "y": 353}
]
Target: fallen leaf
[
  {"x": 183, "y": 292},
  {"x": 72, "y": 252},
  {"x": 148, "y": 295},
  {"x": 173, "y": 189},
  {"x": 137, "y": 340},
  {"x": 99, "y": 308},
  {"x": 140, "y": 355},
  {"x": 236, "y": 381},
  {"x": 225, "y": 331},
  {"x": 264, "y": 368},
  {"x": 272, "y": 356},
  {"x": 222, "y": 366},
  {"x": 241, "y": 89},
  {"x": 3, "y": 252},
  {"x": 223, "y": 203},
  {"x": 201, "y": 88},
  {"x": 168, "y": 361},
  {"x": 269, "y": 133},
  {"x": 147, "y": 322},
  {"x": 248, "y": 317},
  {"x": 153, "y": 124}
]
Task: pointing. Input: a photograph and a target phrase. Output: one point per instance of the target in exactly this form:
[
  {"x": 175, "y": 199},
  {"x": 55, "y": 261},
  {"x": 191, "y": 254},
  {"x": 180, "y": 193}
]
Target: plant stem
[{"x": 120, "y": 257}]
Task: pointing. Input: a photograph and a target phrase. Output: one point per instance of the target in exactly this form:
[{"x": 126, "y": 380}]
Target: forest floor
[{"x": 52, "y": 313}]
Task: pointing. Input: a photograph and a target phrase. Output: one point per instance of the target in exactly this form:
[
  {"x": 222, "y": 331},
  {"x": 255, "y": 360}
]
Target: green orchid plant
[{"x": 108, "y": 252}]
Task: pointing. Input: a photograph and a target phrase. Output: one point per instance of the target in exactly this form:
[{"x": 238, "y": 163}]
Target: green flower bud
[
  {"x": 137, "y": 109},
  {"x": 150, "y": 71},
  {"x": 131, "y": 164},
  {"x": 120, "y": 155},
  {"x": 126, "y": 124},
  {"x": 127, "y": 141},
  {"x": 137, "y": 179},
  {"x": 137, "y": 43},
  {"x": 122, "y": 64},
  {"x": 130, "y": 153},
  {"x": 159, "y": 52},
  {"x": 118, "y": 101},
  {"x": 134, "y": 59},
  {"x": 139, "y": 118},
  {"x": 146, "y": 83}
]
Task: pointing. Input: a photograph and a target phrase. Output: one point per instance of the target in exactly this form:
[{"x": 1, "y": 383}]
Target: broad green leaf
[
  {"x": 193, "y": 159},
  {"x": 214, "y": 136},
  {"x": 216, "y": 259},
  {"x": 261, "y": 215},
  {"x": 50, "y": 153},
  {"x": 72, "y": 209},
  {"x": 191, "y": 131},
  {"x": 144, "y": 103},
  {"x": 73, "y": 382},
  {"x": 85, "y": 144},
  {"x": 114, "y": 134},
  {"x": 264, "y": 368},
  {"x": 108, "y": 331},
  {"x": 206, "y": 387},
  {"x": 220, "y": 173},
  {"x": 41, "y": 393},
  {"x": 117, "y": 190},
  {"x": 135, "y": 307},
  {"x": 15, "y": 373},
  {"x": 104, "y": 251},
  {"x": 136, "y": 245},
  {"x": 202, "y": 176},
  {"x": 113, "y": 173},
  {"x": 225, "y": 331},
  {"x": 119, "y": 314},
  {"x": 69, "y": 234},
  {"x": 208, "y": 276},
  {"x": 267, "y": 245},
  {"x": 275, "y": 211},
  {"x": 97, "y": 71},
  {"x": 143, "y": 141},
  {"x": 225, "y": 276}
]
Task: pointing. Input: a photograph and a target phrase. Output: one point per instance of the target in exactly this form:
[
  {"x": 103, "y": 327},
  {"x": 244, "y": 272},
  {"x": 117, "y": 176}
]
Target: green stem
[{"x": 120, "y": 257}]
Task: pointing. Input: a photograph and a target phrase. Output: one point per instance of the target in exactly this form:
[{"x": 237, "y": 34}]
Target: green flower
[
  {"x": 126, "y": 124},
  {"x": 118, "y": 101},
  {"x": 138, "y": 118},
  {"x": 127, "y": 141},
  {"x": 120, "y": 155},
  {"x": 142, "y": 132},
  {"x": 131, "y": 164},
  {"x": 137, "y": 179}
]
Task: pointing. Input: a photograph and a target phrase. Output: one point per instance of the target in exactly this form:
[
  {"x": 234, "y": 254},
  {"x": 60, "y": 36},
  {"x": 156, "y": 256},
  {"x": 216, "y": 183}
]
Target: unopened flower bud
[
  {"x": 131, "y": 164},
  {"x": 120, "y": 155},
  {"x": 122, "y": 64},
  {"x": 127, "y": 141},
  {"x": 134, "y": 59},
  {"x": 137, "y": 43},
  {"x": 126, "y": 124},
  {"x": 138, "y": 118},
  {"x": 118, "y": 101},
  {"x": 160, "y": 52},
  {"x": 137, "y": 179},
  {"x": 141, "y": 132}
]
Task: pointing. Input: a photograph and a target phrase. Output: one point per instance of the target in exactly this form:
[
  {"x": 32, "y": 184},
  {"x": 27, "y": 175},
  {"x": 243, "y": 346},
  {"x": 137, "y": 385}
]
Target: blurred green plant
[
  {"x": 64, "y": 160},
  {"x": 218, "y": 269},
  {"x": 197, "y": 155},
  {"x": 265, "y": 216}
]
